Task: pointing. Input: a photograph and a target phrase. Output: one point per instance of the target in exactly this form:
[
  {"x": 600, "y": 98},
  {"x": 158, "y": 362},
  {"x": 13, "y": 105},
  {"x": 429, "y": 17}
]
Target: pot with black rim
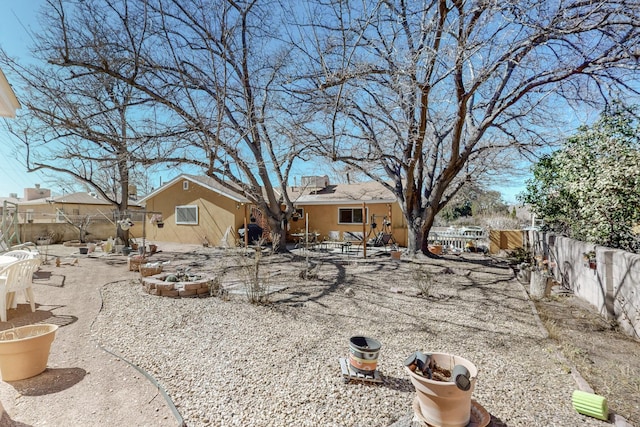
[{"x": 363, "y": 354}]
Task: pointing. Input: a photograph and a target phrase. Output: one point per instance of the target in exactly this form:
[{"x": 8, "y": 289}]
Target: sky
[
  {"x": 21, "y": 17},
  {"x": 15, "y": 40}
]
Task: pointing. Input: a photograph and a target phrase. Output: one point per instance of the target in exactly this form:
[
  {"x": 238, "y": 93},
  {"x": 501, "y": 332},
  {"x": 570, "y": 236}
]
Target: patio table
[{"x": 311, "y": 239}]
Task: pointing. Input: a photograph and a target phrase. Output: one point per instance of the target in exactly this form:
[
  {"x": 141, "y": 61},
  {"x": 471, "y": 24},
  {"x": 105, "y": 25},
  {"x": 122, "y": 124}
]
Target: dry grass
[{"x": 604, "y": 357}]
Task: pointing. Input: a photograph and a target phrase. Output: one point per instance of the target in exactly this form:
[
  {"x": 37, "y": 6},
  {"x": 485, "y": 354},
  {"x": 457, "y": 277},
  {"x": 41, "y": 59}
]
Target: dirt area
[
  {"x": 79, "y": 370},
  {"x": 607, "y": 359},
  {"x": 82, "y": 383}
]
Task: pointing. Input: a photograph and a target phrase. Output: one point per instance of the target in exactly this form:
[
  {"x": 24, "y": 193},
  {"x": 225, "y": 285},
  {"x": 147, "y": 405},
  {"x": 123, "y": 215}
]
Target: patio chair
[
  {"x": 21, "y": 254},
  {"x": 15, "y": 277},
  {"x": 353, "y": 238}
]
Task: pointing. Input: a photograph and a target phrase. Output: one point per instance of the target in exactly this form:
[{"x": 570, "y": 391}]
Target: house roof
[
  {"x": 204, "y": 181},
  {"x": 367, "y": 192},
  {"x": 8, "y": 101},
  {"x": 81, "y": 198}
]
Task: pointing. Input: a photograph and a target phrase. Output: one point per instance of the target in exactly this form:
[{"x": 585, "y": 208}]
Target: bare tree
[
  {"x": 424, "y": 95},
  {"x": 215, "y": 68},
  {"x": 89, "y": 126}
]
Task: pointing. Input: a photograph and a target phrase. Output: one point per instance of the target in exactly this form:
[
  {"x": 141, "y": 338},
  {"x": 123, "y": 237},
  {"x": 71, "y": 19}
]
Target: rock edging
[{"x": 156, "y": 285}]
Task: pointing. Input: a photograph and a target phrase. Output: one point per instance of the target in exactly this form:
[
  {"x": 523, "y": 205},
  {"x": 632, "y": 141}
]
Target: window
[
  {"x": 298, "y": 213},
  {"x": 350, "y": 216},
  {"x": 60, "y": 216},
  {"x": 185, "y": 185},
  {"x": 187, "y": 215}
]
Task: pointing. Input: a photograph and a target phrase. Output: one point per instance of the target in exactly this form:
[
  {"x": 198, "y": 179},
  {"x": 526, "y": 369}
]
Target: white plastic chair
[
  {"x": 15, "y": 277},
  {"x": 21, "y": 254}
]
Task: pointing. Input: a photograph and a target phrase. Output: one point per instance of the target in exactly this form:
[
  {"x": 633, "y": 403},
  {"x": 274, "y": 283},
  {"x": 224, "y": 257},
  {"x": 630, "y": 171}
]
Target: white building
[{"x": 8, "y": 101}]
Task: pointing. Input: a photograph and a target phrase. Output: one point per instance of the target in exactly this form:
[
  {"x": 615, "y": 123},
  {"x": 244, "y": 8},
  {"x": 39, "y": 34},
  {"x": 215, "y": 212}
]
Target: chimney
[{"x": 36, "y": 193}]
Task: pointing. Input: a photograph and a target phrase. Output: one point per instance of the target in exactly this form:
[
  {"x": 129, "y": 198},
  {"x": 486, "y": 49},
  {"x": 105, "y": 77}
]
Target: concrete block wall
[{"x": 612, "y": 286}]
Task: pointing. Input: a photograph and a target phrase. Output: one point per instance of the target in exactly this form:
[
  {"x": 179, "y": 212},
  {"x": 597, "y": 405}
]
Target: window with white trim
[
  {"x": 60, "y": 216},
  {"x": 185, "y": 185},
  {"x": 187, "y": 215},
  {"x": 297, "y": 214},
  {"x": 350, "y": 216}
]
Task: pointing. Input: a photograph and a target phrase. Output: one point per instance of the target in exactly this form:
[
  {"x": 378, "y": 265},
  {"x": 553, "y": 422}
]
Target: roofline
[
  {"x": 8, "y": 99},
  {"x": 344, "y": 202},
  {"x": 195, "y": 181}
]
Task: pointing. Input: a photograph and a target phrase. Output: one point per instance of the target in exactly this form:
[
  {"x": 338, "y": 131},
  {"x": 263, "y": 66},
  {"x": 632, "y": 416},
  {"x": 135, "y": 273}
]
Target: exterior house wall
[
  {"x": 216, "y": 212},
  {"x": 324, "y": 218},
  {"x": 8, "y": 101},
  {"x": 612, "y": 287}
]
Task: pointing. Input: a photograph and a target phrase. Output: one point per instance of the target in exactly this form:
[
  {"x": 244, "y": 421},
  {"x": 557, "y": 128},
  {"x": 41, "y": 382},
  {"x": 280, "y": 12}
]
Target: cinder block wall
[{"x": 612, "y": 287}]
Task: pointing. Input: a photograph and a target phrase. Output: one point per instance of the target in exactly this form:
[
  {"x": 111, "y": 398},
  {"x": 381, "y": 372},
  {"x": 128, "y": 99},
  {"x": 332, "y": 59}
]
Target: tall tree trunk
[
  {"x": 427, "y": 223},
  {"x": 277, "y": 229}
]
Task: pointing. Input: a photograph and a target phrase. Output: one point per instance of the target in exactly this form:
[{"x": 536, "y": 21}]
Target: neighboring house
[
  {"x": 197, "y": 210},
  {"x": 8, "y": 101},
  {"x": 38, "y": 216}
]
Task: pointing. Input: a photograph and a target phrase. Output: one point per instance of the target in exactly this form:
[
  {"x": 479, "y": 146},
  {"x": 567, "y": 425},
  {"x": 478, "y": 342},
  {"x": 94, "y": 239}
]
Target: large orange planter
[
  {"x": 435, "y": 249},
  {"x": 24, "y": 351},
  {"x": 442, "y": 403}
]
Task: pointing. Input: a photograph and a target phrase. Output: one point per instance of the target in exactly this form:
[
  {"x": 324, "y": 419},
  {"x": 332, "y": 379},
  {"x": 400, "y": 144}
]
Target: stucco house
[
  {"x": 196, "y": 209},
  {"x": 340, "y": 211},
  {"x": 8, "y": 101}
]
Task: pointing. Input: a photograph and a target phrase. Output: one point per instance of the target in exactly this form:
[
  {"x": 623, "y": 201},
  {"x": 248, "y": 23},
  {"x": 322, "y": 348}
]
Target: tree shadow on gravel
[
  {"x": 297, "y": 298},
  {"x": 398, "y": 384}
]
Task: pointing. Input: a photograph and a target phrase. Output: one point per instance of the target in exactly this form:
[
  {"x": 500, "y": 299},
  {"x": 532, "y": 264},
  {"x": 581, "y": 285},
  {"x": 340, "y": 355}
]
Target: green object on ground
[{"x": 590, "y": 404}]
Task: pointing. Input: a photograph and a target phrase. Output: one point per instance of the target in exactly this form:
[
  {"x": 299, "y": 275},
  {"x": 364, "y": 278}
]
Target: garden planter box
[{"x": 134, "y": 262}]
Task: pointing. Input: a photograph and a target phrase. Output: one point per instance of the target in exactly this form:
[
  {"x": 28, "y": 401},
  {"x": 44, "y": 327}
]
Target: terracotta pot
[
  {"x": 24, "y": 351},
  {"x": 435, "y": 249},
  {"x": 443, "y": 403},
  {"x": 395, "y": 254}
]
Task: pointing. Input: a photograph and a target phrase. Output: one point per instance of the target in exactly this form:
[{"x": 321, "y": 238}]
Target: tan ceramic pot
[
  {"x": 24, "y": 351},
  {"x": 442, "y": 403}
]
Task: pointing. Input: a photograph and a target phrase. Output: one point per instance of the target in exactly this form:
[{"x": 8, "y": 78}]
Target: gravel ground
[{"x": 226, "y": 362}]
